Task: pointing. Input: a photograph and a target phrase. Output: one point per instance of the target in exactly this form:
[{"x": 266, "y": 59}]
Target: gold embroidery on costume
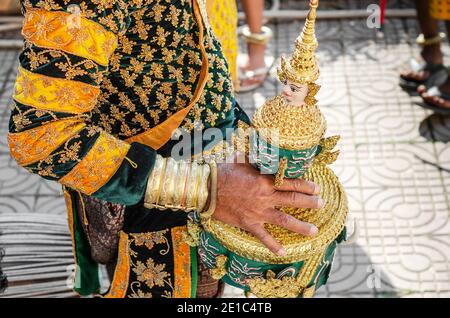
[
  {"x": 119, "y": 284},
  {"x": 159, "y": 135},
  {"x": 182, "y": 263},
  {"x": 99, "y": 164},
  {"x": 51, "y": 93},
  {"x": 149, "y": 239},
  {"x": 149, "y": 273},
  {"x": 36, "y": 144},
  {"x": 54, "y": 29}
]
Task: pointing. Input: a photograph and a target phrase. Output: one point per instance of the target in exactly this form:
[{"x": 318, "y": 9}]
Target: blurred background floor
[{"x": 394, "y": 164}]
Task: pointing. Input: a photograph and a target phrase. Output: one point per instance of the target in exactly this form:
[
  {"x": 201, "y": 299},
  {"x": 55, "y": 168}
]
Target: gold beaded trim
[{"x": 287, "y": 287}]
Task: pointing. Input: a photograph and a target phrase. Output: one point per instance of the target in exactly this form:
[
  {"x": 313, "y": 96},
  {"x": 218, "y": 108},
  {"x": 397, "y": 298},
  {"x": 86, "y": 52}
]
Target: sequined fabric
[
  {"x": 102, "y": 222},
  {"x": 207, "y": 287}
]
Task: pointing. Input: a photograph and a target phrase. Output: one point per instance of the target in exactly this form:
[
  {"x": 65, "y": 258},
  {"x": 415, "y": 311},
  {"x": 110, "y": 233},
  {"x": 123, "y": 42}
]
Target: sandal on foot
[
  {"x": 258, "y": 76},
  {"x": 438, "y": 75},
  {"x": 428, "y": 102}
]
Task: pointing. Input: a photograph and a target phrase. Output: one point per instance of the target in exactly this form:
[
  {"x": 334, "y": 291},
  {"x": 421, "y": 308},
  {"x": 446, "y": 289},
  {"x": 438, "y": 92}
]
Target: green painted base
[{"x": 240, "y": 270}]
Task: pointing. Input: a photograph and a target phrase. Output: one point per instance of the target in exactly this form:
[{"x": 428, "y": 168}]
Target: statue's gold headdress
[{"x": 302, "y": 66}]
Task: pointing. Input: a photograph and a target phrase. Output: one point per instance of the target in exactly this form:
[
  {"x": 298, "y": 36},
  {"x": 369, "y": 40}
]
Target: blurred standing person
[
  {"x": 429, "y": 77},
  {"x": 223, "y": 19},
  {"x": 430, "y": 69},
  {"x": 437, "y": 97},
  {"x": 255, "y": 70}
]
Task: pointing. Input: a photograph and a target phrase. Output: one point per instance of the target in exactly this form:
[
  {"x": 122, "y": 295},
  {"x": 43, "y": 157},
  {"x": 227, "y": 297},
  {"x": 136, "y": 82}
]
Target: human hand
[{"x": 248, "y": 199}]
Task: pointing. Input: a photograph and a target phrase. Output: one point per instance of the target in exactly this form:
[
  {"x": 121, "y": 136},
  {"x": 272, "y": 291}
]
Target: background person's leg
[
  {"x": 431, "y": 54},
  {"x": 438, "y": 98},
  {"x": 256, "y": 51}
]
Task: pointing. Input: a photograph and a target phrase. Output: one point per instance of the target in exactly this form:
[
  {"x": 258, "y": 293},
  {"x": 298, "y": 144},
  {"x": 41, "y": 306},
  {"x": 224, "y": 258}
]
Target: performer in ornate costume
[{"x": 101, "y": 88}]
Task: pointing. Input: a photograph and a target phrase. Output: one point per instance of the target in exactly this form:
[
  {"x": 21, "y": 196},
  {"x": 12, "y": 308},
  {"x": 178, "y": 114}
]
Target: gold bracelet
[
  {"x": 203, "y": 188},
  {"x": 180, "y": 184},
  {"x": 177, "y": 185},
  {"x": 185, "y": 186},
  {"x": 257, "y": 38},
  {"x": 197, "y": 181},
  {"x": 167, "y": 183},
  {"x": 190, "y": 193},
  {"x": 213, "y": 193},
  {"x": 421, "y": 40},
  {"x": 161, "y": 180},
  {"x": 154, "y": 181}
]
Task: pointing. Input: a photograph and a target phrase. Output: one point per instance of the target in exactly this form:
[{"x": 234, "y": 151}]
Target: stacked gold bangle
[{"x": 177, "y": 185}]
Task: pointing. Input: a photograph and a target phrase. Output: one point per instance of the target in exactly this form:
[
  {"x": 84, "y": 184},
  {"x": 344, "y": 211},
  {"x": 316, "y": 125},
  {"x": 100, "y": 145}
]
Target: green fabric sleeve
[
  {"x": 194, "y": 271},
  {"x": 127, "y": 186}
]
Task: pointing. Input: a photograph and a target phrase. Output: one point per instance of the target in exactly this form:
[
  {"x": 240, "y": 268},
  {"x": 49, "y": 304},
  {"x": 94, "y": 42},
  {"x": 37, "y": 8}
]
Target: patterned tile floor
[{"x": 394, "y": 163}]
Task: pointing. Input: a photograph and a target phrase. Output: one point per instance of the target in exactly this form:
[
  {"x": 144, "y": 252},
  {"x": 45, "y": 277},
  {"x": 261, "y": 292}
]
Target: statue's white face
[{"x": 294, "y": 93}]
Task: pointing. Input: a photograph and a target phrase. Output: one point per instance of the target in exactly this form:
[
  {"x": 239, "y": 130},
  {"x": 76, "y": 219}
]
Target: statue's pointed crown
[{"x": 302, "y": 66}]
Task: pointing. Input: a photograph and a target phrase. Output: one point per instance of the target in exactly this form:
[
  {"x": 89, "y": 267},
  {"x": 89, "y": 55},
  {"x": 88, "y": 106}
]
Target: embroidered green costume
[{"x": 101, "y": 87}]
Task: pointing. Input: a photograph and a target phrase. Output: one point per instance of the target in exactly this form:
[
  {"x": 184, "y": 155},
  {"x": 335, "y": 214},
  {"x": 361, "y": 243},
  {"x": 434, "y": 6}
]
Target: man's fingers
[
  {"x": 299, "y": 185},
  {"x": 265, "y": 238},
  {"x": 298, "y": 200},
  {"x": 290, "y": 223}
]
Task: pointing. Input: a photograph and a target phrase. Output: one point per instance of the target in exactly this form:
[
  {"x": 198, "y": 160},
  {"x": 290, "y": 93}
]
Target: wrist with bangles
[{"x": 182, "y": 186}]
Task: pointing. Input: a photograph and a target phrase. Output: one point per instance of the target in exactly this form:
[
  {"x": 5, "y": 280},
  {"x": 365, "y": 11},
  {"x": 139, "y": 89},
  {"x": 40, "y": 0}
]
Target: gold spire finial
[{"x": 302, "y": 66}]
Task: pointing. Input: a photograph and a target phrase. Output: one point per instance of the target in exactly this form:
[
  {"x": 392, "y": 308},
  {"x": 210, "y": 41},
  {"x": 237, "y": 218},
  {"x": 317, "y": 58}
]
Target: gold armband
[{"x": 177, "y": 185}]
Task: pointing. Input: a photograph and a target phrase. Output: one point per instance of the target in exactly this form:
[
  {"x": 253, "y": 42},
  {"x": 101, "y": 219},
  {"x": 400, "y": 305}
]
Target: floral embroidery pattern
[
  {"x": 149, "y": 239},
  {"x": 96, "y": 168},
  {"x": 150, "y": 273},
  {"x": 144, "y": 83},
  {"x": 150, "y": 276},
  {"x": 53, "y": 29},
  {"x": 159, "y": 65},
  {"x": 137, "y": 63},
  {"x": 36, "y": 144},
  {"x": 50, "y": 93}
]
